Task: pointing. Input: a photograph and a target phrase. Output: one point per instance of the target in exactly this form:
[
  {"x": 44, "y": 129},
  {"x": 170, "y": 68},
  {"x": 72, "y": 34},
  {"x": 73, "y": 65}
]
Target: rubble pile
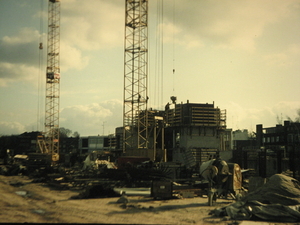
[{"x": 97, "y": 191}]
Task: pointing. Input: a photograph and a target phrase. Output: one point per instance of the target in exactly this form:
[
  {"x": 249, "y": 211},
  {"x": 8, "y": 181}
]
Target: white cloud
[
  {"x": 294, "y": 49},
  {"x": 11, "y": 73},
  {"x": 90, "y": 119},
  {"x": 11, "y": 128},
  {"x": 228, "y": 24},
  {"x": 71, "y": 58},
  {"x": 19, "y": 58},
  {"x": 85, "y": 25},
  {"x": 286, "y": 58},
  {"x": 91, "y": 25},
  {"x": 277, "y": 59},
  {"x": 24, "y": 36},
  {"x": 21, "y": 48},
  {"x": 239, "y": 117}
]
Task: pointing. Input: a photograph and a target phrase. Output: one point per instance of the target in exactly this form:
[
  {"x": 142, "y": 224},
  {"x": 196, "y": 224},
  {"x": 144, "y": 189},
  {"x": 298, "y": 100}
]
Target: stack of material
[
  {"x": 280, "y": 189},
  {"x": 277, "y": 200}
]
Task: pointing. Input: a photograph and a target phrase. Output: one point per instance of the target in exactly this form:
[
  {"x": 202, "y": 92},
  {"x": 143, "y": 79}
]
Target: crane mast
[
  {"x": 135, "y": 121},
  {"x": 52, "y": 82}
]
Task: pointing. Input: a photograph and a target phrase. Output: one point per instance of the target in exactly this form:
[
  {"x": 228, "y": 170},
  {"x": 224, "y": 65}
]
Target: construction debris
[
  {"x": 97, "y": 191},
  {"x": 123, "y": 198},
  {"x": 277, "y": 200}
]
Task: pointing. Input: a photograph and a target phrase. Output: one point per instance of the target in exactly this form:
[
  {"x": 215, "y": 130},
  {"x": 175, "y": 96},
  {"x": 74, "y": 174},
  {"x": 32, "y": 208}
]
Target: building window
[{"x": 85, "y": 143}]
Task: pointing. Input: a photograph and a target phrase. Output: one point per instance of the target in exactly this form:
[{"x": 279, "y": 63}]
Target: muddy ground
[{"x": 23, "y": 201}]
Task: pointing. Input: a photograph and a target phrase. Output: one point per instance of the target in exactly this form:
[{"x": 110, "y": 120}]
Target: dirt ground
[{"x": 22, "y": 201}]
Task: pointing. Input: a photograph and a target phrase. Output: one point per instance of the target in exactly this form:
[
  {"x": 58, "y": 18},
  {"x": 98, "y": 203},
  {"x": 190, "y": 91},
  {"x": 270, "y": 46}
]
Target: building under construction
[
  {"x": 188, "y": 133},
  {"x": 194, "y": 132}
]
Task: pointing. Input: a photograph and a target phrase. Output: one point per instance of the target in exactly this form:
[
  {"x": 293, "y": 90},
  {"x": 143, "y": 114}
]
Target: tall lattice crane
[
  {"x": 135, "y": 121},
  {"x": 50, "y": 145}
]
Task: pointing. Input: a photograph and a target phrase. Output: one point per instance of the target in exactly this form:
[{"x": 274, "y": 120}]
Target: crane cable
[
  {"x": 173, "y": 46},
  {"x": 162, "y": 53},
  {"x": 41, "y": 59},
  {"x": 158, "y": 82},
  {"x": 159, "y": 63}
]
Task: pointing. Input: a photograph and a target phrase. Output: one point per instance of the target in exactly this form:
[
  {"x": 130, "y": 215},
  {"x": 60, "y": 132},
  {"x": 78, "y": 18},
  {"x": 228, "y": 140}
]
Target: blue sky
[{"x": 241, "y": 55}]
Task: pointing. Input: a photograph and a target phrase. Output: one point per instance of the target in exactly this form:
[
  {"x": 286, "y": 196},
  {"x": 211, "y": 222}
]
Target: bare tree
[{"x": 297, "y": 119}]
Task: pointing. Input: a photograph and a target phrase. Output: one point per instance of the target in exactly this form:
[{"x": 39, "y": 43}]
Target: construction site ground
[{"x": 24, "y": 201}]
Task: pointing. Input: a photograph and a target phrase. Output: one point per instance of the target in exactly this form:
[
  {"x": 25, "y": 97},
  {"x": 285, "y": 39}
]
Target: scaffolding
[{"x": 194, "y": 114}]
